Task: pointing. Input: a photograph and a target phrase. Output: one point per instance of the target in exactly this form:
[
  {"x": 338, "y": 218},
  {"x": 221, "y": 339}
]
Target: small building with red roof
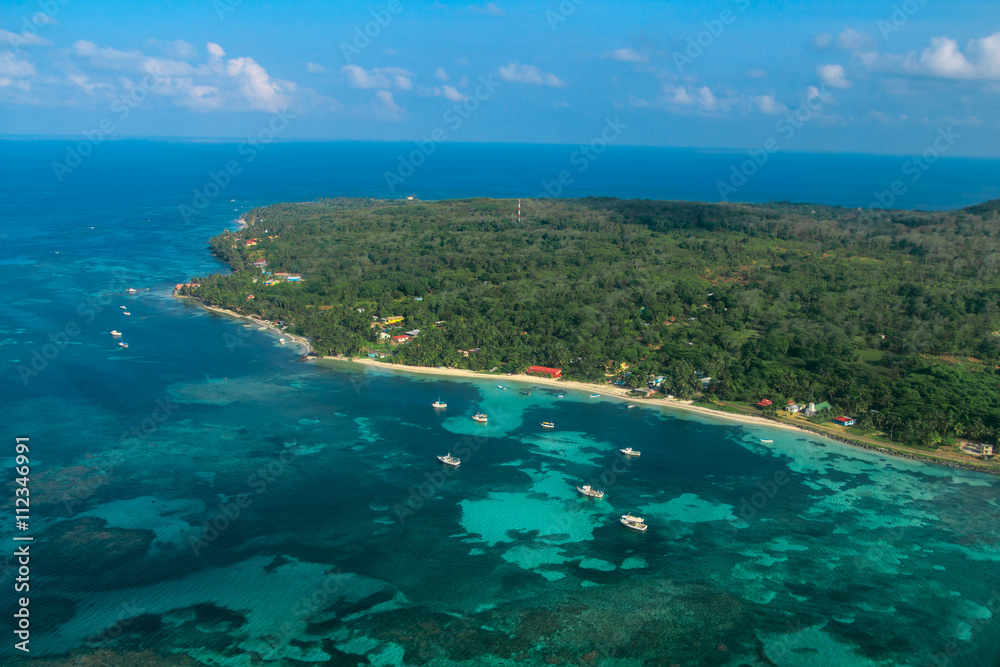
[{"x": 544, "y": 370}]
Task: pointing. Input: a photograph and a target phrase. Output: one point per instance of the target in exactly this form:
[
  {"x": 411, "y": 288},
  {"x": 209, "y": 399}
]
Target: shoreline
[
  {"x": 668, "y": 403},
  {"x": 305, "y": 347},
  {"x": 306, "y": 353}
]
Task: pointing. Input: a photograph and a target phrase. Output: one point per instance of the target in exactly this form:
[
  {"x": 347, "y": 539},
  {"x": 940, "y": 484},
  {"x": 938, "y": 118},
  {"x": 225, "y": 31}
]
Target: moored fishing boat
[
  {"x": 450, "y": 460},
  {"x": 628, "y": 451},
  {"x": 439, "y": 404},
  {"x": 590, "y": 491},
  {"x": 634, "y": 522},
  {"x": 548, "y": 425},
  {"x": 479, "y": 417}
]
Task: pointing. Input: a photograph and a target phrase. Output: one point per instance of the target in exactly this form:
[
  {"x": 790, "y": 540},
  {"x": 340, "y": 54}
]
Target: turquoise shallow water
[{"x": 203, "y": 495}]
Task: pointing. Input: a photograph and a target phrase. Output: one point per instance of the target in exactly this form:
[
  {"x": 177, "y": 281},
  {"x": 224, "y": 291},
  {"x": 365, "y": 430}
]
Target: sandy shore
[
  {"x": 589, "y": 388},
  {"x": 301, "y": 343}
]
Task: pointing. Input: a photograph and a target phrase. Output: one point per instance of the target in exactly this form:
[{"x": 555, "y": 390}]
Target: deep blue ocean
[{"x": 202, "y": 498}]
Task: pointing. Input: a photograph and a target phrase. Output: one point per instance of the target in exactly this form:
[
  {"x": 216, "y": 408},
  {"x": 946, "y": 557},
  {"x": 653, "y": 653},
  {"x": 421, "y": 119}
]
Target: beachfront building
[
  {"x": 764, "y": 403},
  {"x": 792, "y": 407},
  {"x": 554, "y": 373},
  {"x": 844, "y": 421},
  {"x": 400, "y": 339}
]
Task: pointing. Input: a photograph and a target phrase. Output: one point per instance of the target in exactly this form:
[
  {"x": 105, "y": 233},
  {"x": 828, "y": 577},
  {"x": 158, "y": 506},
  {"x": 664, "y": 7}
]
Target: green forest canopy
[{"x": 890, "y": 315}]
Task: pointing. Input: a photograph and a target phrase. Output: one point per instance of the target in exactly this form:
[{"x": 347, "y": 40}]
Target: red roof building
[
  {"x": 844, "y": 421},
  {"x": 400, "y": 339},
  {"x": 765, "y": 403},
  {"x": 553, "y": 372}
]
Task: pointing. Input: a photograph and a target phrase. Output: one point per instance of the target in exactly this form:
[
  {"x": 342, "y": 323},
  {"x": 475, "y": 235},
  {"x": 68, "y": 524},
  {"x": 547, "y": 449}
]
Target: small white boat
[
  {"x": 122, "y": 307},
  {"x": 500, "y": 386},
  {"x": 631, "y": 405},
  {"x": 131, "y": 290},
  {"x": 450, "y": 460},
  {"x": 634, "y": 522},
  {"x": 590, "y": 491},
  {"x": 595, "y": 395},
  {"x": 281, "y": 341},
  {"x": 125, "y": 312},
  {"x": 548, "y": 425},
  {"x": 628, "y": 451},
  {"x": 767, "y": 441},
  {"x": 439, "y": 404},
  {"x": 560, "y": 395},
  {"x": 479, "y": 417},
  {"x": 123, "y": 344},
  {"x": 116, "y": 334}
]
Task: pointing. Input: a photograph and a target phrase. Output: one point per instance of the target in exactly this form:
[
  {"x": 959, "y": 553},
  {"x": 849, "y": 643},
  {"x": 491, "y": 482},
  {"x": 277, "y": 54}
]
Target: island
[{"x": 878, "y": 326}]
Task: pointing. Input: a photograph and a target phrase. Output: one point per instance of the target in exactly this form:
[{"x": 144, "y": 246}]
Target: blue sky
[{"x": 843, "y": 76}]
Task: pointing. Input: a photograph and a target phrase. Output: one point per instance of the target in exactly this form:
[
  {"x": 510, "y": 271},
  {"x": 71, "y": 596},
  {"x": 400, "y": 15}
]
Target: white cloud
[
  {"x": 315, "y": 68},
  {"x": 441, "y": 74},
  {"x": 23, "y": 39},
  {"x": 237, "y": 84},
  {"x": 854, "y": 40},
  {"x": 767, "y": 104},
  {"x": 257, "y": 87},
  {"x": 389, "y": 107},
  {"x": 833, "y": 76},
  {"x": 531, "y": 75},
  {"x": 451, "y": 93},
  {"x": 490, "y": 9},
  {"x": 702, "y": 98},
  {"x": 944, "y": 59},
  {"x": 12, "y": 66},
  {"x": 386, "y": 77},
  {"x": 822, "y": 41},
  {"x": 180, "y": 49},
  {"x": 626, "y": 55}
]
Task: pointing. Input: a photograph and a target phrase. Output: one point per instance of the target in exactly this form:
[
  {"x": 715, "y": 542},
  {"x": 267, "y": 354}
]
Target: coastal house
[
  {"x": 413, "y": 332},
  {"x": 260, "y": 263},
  {"x": 392, "y": 319},
  {"x": 383, "y": 335},
  {"x": 792, "y": 407},
  {"x": 400, "y": 339},
  {"x": 360, "y": 310},
  {"x": 706, "y": 382},
  {"x": 251, "y": 242},
  {"x": 764, "y": 403},
  {"x": 555, "y": 373},
  {"x": 294, "y": 278},
  {"x": 844, "y": 421},
  {"x": 978, "y": 449}
]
